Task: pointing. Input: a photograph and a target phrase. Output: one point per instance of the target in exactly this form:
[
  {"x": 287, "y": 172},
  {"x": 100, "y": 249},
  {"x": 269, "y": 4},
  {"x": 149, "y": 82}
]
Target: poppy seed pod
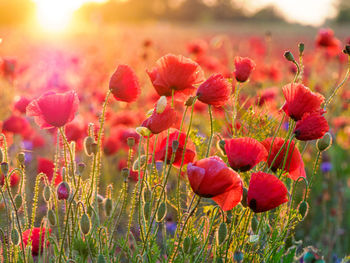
[
  {"x": 20, "y": 158},
  {"x": 131, "y": 142},
  {"x": 88, "y": 141},
  {"x": 301, "y": 48},
  {"x": 289, "y": 56}
]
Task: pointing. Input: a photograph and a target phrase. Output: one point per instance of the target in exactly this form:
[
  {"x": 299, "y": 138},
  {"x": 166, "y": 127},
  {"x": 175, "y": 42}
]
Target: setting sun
[{"x": 55, "y": 15}]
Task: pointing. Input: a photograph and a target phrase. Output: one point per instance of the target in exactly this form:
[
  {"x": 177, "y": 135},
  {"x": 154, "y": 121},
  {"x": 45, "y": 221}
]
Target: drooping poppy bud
[
  {"x": 244, "y": 153},
  {"x": 212, "y": 178},
  {"x": 265, "y": 192},
  {"x": 124, "y": 84},
  {"x": 244, "y": 67},
  {"x": 214, "y": 91}
]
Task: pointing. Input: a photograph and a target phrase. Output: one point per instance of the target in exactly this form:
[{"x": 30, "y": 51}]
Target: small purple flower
[
  {"x": 285, "y": 126},
  {"x": 326, "y": 167},
  {"x": 171, "y": 227}
]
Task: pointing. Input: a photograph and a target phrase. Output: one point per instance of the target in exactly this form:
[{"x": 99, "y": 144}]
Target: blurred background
[{"x": 58, "y": 15}]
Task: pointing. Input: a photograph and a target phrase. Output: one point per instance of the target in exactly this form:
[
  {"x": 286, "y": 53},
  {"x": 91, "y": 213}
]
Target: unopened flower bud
[
  {"x": 301, "y": 47},
  {"x": 289, "y": 56},
  {"x": 303, "y": 208},
  {"x": 131, "y": 141},
  {"x": 222, "y": 233},
  {"x": 88, "y": 141},
  {"x": 4, "y": 168},
  {"x": 161, "y": 104},
  {"x": 221, "y": 145},
  {"x": 46, "y": 193},
  {"x": 81, "y": 168},
  {"x": 94, "y": 148},
  {"x": 347, "y": 50},
  {"x": 125, "y": 172},
  {"x": 1, "y": 155},
  {"x": 146, "y": 210},
  {"x": 244, "y": 201},
  {"x": 14, "y": 236},
  {"x": 161, "y": 212},
  {"x": 254, "y": 224},
  {"x": 101, "y": 259},
  {"x": 108, "y": 206},
  {"x": 325, "y": 142},
  {"x": 141, "y": 161},
  {"x": 175, "y": 145},
  {"x": 21, "y": 158},
  {"x": 187, "y": 245},
  {"x": 85, "y": 224},
  {"x": 143, "y": 131},
  {"x": 190, "y": 101},
  {"x": 51, "y": 216},
  {"x": 18, "y": 201},
  {"x": 147, "y": 195},
  {"x": 63, "y": 191}
]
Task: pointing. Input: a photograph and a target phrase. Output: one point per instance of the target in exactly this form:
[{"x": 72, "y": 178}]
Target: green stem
[{"x": 211, "y": 131}]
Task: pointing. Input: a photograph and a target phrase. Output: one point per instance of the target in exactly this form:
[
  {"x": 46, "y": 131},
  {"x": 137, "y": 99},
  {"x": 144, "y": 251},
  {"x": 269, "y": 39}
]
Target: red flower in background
[
  {"x": 300, "y": 100},
  {"x": 244, "y": 153},
  {"x": 265, "y": 192},
  {"x": 160, "y": 150},
  {"x": 16, "y": 125},
  {"x": 54, "y": 109},
  {"x": 212, "y": 178},
  {"x": 326, "y": 39},
  {"x": 294, "y": 163},
  {"x": 176, "y": 73},
  {"x": 46, "y": 166},
  {"x": 311, "y": 127},
  {"x": 197, "y": 47},
  {"x": 35, "y": 239},
  {"x": 119, "y": 139},
  {"x": 124, "y": 84},
  {"x": 159, "y": 122},
  {"x": 21, "y": 104},
  {"x": 243, "y": 68},
  {"x": 14, "y": 179},
  {"x": 216, "y": 90}
]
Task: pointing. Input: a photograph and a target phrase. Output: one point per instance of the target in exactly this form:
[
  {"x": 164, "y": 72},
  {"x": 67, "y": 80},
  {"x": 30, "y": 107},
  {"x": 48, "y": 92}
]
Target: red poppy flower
[
  {"x": 244, "y": 153},
  {"x": 160, "y": 150},
  {"x": 300, "y": 100},
  {"x": 54, "y": 109},
  {"x": 124, "y": 84},
  {"x": 244, "y": 67},
  {"x": 294, "y": 163},
  {"x": 16, "y": 125},
  {"x": 311, "y": 127},
  {"x": 21, "y": 104},
  {"x": 265, "y": 192},
  {"x": 176, "y": 73},
  {"x": 14, "y": 180},
  {"x": 119, "y": 139},
  {"x": 326, "y": 39},
  {"x": 215, "y": 90},
  {"x": 46, "y": 166},
  {"x": 212, "y": 178},
  {"x": 35, "y": 239},
  {"x": 197, "y": 47},
  {"x": 159, "y": 122}
]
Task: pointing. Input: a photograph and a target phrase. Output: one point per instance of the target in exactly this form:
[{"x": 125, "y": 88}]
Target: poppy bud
[
  {"x": 238, "y": 256},
  {"x": 325, "y": 142},
  {"x": 147, "y": 195},
  {"x": 222, "y": 233},
  {"x": 14, "y": 236},
  {"x": 63, "y": 191},
  {"x": 85, "y": 224},
  {"x": 131, "y": 142},
  {"x": 4, "y": 168},
  {"x": 18, "y": 201},
  {"x": 46, "y": 193},
  {"x": 141, "y": 161},
  {"x": 303, "y": 208},
  {"x": 108, "y": 206},
  {"x": 146, "y": 210},
  {"x": 254, "y": 224},
  {"x": 347, "y": 50},
  {"x": 1, "y": 155},
  {"x": 221, "y": 145},
  {"x": 301, "y": 47},
  {"x": 94, "y": 148},
  {"x": 186, "y": 245},
  {"x": 161, "y": 212},
  {"x": 244, "y": 67},
  {"x": 81, "y": 168},
  {"x": 101, "y": 259},
  {"x": 289, "y": 56},
  {"x": 51, "y": 217},
  {"x": 88, "y": 141},
  {"x": 20, "y": 158},
  {"x": 175, "y": 145},
  {"x": 161, "y": 104},
  {"x": 189, "y": 102},
  {"x": 143, "y": 131},
  {"x": 244, "y": 198}
]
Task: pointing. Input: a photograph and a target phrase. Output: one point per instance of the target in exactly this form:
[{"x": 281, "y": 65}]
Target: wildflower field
[{"x": 171, "y": 144}]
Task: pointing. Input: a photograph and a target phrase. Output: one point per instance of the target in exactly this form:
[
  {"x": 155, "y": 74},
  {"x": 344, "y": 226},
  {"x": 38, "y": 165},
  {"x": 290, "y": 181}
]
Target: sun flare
[{"x": 56, "y": 15}]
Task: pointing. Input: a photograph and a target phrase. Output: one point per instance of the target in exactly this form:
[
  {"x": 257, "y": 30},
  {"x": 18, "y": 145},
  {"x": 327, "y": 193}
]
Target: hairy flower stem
[
  {"x": 314, "y": 171},
  {"x": 341, "y": 84},
  {"x": 70, "y": 154},
  {"x": 234, "y": 107},
  {"x": 211, "y": 131}
]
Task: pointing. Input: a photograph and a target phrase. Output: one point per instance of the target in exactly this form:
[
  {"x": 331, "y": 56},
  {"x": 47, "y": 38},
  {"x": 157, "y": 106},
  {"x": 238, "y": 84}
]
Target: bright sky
[{"x": 307, "y": 12}]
